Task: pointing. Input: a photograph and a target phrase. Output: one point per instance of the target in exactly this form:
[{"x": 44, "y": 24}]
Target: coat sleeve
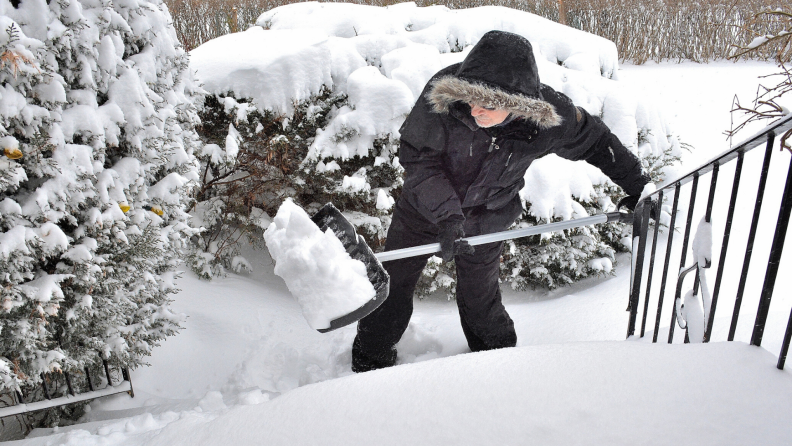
[
  {"x": 426, "y": 184},
  {"x": 587, "y": 138}
]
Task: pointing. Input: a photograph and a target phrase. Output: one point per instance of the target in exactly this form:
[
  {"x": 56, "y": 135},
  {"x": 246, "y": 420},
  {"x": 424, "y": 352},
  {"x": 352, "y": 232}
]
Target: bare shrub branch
[{"x": 767, "y": 102}]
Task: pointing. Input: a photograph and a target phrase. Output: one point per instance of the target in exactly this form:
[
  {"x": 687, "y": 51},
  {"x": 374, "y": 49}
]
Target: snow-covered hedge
[
  {"x": 96, "y": 123},
  {"x": 373, "y": 62}
]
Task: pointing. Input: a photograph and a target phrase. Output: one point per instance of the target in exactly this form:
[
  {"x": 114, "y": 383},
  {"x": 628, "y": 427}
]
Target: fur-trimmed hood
[{"x": 500, "y": 72}]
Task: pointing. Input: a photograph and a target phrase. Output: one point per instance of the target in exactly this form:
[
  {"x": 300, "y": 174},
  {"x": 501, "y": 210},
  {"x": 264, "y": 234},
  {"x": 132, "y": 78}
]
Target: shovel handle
[{"x": 396, "y": 254}]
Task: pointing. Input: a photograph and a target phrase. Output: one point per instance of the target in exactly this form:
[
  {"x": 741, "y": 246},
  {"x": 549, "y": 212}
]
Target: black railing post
[
  {"x": 669, "y": 244},
  {"x": 711, "y": 198},
  {"x": 657, "y": 208},
  {"x": 44, "y": 387},
  {"x": 752, "y": 235},
  {"x": 68, "y": 383},
  {"x": 724, "y": 245},
  {"x": 708, "y": 219},
  {"x": 635, "y": 294},
  {"x": 128, "y": 378},
  {"x": 685, "y": 240},
  {"x": 772, "y": 264},
  {"x": 107, "y": 373},
  {"x": 785, "y": 346},
  {"x": 88, "y": 378}
]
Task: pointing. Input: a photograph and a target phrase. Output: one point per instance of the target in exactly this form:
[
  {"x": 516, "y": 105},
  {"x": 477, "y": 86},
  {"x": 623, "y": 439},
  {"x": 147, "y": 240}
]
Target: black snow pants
[{"x": 485, "y": 322}]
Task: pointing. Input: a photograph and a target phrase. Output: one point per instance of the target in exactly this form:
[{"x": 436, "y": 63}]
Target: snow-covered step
[
  {"x": 603, "y": 393},
  {"x": 588, "y": 393}
]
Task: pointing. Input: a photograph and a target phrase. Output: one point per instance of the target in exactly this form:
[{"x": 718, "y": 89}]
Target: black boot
[{"x": 363, "y": 362}]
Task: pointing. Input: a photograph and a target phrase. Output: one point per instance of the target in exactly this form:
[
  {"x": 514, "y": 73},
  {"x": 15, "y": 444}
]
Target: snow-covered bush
[
  {"x": 250, "y": 162},
  {"x": 267, "y": 163},
  {"x": 376, "y": 61},
  {"x": 96, "y": 122}
]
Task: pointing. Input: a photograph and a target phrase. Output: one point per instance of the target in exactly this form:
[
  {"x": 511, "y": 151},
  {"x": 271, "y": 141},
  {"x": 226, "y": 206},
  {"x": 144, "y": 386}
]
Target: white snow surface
[
  {"x": 702, "y": 243},
  {"x": 324, "y": 279},
  {"x": 582, "y": 393},
  {"x": 697, "y": 308},
  {"x": 248, "y": 370},
  {"x": 445, "y": 29}
]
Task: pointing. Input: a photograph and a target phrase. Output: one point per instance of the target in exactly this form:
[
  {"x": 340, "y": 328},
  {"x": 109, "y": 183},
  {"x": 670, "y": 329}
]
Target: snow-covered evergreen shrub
[
  {"x": 255, "y": 159},
  {"x": 96, "y": 119},
  {"x": 559, "y": 259},
  {"x": 251, "y": 161},
  {"x": 379, "y": 60}
]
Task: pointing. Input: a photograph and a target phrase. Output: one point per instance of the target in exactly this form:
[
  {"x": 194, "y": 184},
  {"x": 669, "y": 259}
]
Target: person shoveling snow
[{"x": 465, "y": 148}]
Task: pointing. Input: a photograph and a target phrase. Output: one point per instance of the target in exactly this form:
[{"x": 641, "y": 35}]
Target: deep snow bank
[{"x": 614, "y": 393}]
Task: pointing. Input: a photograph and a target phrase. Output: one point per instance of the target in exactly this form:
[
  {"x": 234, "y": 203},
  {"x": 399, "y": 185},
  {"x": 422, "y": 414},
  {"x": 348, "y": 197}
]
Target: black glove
[
  {"x": 629, "y": 202},
  {"x": 450, "y": 245}
]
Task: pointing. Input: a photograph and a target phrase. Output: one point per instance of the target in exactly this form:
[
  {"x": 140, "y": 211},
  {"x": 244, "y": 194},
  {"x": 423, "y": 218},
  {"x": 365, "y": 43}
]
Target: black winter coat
[{"x": 451, "y": 165}]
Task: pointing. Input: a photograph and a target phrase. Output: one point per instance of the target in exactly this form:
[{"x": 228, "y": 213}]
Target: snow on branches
[
  {"x": 96, "y": 125},
  {"x": 318, "y": 92}
]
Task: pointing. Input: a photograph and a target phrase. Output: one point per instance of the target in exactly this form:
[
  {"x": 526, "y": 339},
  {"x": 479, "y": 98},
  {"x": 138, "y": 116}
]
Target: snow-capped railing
[
  {"x": 699, "y": 315},
  {"x": 49, "y": 388}
]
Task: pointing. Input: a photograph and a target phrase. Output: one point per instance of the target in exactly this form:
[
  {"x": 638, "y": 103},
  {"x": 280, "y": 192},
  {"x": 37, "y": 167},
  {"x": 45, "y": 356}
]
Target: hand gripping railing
[{"x": 727, "y": 261}]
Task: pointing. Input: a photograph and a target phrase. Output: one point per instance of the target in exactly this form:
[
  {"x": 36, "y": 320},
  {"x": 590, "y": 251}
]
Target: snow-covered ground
[{"x": 248, "y": 369}]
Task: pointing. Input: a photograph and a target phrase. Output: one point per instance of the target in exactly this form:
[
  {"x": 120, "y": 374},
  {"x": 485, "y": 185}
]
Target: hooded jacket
[{"x": 452, "y": 165}]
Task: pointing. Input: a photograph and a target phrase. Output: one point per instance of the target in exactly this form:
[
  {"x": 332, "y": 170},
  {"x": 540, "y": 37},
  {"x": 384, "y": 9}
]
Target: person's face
[{"x": 486, "y": 117}]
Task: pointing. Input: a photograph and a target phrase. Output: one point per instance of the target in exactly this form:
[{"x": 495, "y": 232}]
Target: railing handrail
[
  {"x": 777, "y": 127},
  {"x": 768, "y": 136}
]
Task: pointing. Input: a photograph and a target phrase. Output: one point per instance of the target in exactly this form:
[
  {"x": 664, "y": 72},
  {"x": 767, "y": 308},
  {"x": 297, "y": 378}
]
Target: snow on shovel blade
[
  {"x": 328, "y": 268},
  {"x": 330, "y": 217}
]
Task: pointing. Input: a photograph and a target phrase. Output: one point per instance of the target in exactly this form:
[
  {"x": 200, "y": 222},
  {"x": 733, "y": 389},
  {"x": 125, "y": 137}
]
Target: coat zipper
[
  {"x": 493, "y": 145},
  {"x": 509, "y": 158}
]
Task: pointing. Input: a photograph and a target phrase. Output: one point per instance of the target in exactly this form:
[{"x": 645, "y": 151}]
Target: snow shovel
[{"x": 330, "y": 217}]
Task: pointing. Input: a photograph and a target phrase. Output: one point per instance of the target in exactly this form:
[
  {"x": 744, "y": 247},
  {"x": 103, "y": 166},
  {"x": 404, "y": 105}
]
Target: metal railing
[
  {"x": 726, "y": 210},
  {"x": 70, "y": 392}
]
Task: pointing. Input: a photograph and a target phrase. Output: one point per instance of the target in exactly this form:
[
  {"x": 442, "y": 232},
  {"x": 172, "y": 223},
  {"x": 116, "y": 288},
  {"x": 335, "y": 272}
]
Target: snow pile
[
  {"x": 273, "y": 68},
  {"x": 628, "y": 393},
  {"x": 320, "y": 274},
  {"x": 550, "y": 184},
  {"x": 445, "y": 30},
  {"x": 697, "y": 308}
]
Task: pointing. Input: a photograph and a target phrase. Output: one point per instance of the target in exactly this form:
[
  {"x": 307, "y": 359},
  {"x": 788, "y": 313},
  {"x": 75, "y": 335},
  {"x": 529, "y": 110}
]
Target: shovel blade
[{"x": 329, "y": 217}]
